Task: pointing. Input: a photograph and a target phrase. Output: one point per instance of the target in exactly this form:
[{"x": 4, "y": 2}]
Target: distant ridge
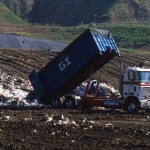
[
  {"x": 70, "y": 12},
  {"x": 8, "y": 17}
]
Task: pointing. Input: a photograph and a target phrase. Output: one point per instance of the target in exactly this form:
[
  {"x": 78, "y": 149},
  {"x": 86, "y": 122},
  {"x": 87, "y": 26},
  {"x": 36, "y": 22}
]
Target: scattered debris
[
  {"x": 109, "y": 126},
  {"x": 49, "y": 119},
  {"x": 148, "y": 133},
  {"x": 28, "y": 119}
]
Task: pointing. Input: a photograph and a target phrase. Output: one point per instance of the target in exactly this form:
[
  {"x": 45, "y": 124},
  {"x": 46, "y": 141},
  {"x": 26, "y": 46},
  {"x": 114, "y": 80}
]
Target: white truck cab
[{"x": 136, "y": 89}]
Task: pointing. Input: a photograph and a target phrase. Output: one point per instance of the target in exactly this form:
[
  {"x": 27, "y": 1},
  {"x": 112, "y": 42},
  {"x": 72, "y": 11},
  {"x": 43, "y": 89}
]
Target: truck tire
[
  {"x": 55, "y": 102},
  {"x": 84, "y": 108},
  {"x": 69, "y": 102},
  {"x": 132, "y": 106}
]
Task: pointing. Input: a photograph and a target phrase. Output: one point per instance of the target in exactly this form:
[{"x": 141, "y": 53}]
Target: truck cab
[{"x": 136, "y": 89}]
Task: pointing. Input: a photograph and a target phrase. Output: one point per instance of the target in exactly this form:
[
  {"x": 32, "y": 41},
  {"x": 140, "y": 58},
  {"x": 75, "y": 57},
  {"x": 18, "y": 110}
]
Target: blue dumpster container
[{"x": 78, "y": 61}]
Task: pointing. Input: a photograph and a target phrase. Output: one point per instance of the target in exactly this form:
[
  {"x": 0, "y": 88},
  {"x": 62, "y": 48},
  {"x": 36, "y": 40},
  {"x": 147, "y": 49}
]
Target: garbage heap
[
  {"x": 105, "y": 88},
  {"x": 14, "y": 90}
]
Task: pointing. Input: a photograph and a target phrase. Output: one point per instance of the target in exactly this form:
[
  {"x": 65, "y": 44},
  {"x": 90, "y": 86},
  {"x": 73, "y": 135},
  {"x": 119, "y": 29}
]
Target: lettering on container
[{"x": 65, "y": 63}]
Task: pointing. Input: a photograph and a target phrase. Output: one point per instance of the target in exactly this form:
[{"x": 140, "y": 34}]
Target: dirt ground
[
  {"x": 32, "y": 128},
  {"x": 99, "y": 129}
]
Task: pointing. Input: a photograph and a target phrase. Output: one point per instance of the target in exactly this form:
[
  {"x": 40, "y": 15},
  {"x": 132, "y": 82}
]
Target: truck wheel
[
  {"x": 69, "y": 102},
  {"x": 132, "y": 106},
  {"x": 55, "y": 102}
]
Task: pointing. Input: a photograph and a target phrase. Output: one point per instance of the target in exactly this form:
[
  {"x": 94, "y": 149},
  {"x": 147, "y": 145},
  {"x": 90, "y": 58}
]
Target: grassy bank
[
  {"x": 126, "y": 35},
  {"x": 8, "y": 17}
]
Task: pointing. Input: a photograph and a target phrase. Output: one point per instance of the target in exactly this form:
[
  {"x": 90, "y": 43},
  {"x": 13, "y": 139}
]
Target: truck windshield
[{"x": 144, "y": 76}]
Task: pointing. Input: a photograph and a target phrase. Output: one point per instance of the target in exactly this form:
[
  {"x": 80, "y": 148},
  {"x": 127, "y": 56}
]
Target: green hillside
[
  {"x": 19, "y": 7},
  {"x": 8, "y": 17},
  {"x": 127, "y": 35},
  {"x": 70, "y": 12}
]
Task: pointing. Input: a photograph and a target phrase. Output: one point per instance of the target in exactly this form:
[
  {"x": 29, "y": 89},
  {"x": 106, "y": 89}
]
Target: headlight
[{"x": 143, "y": 97}]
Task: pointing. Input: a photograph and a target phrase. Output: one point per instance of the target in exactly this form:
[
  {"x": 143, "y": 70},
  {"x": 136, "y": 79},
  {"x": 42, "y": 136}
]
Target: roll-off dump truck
[{"x": 78, "y": 61}]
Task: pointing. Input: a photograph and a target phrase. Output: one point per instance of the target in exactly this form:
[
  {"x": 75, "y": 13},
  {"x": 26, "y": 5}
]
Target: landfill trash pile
[
  {"x": 109, "y": 91},
  {"x": 106, "y": 89},
  {"x": 14, "y": 90}
]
